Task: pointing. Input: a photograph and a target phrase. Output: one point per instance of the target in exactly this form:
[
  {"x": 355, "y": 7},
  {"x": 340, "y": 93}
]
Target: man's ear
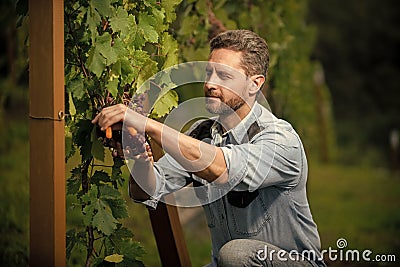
[{"x": 258, "y": 81}]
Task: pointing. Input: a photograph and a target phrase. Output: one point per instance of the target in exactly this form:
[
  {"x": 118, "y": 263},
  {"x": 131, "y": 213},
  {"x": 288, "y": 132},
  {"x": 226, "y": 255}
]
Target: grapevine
[
  {"x": 111, "y": 48},
  {"x": 136, "y": 141}
]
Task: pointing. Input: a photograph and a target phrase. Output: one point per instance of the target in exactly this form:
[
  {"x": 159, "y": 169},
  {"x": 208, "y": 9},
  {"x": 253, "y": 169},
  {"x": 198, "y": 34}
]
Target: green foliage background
[
  {"x": 112, "y": 46},
  {"x": 356, "y": 43},
  {"x": 291, "y": 90}
]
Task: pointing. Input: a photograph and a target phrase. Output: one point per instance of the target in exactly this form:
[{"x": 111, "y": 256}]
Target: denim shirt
[{"x": 263, "y": 154}]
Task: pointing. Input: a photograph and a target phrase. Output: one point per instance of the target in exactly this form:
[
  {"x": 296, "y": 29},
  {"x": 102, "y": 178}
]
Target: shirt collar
[{"x": 239, "y": 132}]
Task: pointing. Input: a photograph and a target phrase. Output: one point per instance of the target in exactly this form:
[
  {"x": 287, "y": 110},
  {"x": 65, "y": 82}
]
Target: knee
[{"x": 233, "y": 254}]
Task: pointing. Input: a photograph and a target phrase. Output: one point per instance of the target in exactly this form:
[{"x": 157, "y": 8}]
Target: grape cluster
[
  {"x": 135, "y": 142},
  {"x": 136, "y": 145},
  {"x": 137, "y": 104}
]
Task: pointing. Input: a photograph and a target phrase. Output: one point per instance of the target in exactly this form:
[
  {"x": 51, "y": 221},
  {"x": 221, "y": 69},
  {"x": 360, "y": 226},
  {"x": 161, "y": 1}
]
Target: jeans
[{"x": 253, "y": 253}]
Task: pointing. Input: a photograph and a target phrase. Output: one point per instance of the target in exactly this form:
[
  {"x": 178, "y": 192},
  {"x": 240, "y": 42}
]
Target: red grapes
[{"x": 134, "y": 142}]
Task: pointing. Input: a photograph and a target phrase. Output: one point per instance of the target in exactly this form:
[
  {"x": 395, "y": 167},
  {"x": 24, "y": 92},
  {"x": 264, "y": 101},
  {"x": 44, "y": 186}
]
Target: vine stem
[
  {"x": 90, "y": 247},
  {"x": 84, "y": 172},
  {"x": 79, "y": 56},
  {"x": 85, "y": 187},
  {"x": 102, "y": 165}
]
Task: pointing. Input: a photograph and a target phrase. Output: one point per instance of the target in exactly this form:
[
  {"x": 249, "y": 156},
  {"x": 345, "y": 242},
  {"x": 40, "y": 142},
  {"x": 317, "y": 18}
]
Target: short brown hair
[{"x": 255, "y": 55}]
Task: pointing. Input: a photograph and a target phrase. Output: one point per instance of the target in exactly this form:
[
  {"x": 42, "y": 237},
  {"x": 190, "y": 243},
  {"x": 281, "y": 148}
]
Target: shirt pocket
[{"x": 249, "y": 221}]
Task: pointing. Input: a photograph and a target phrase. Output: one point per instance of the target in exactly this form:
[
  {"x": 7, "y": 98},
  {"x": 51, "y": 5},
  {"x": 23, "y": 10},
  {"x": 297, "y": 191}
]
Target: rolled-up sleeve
[
  {"x": 170, "y": 177},
  {"x": 270, "y": 159}
]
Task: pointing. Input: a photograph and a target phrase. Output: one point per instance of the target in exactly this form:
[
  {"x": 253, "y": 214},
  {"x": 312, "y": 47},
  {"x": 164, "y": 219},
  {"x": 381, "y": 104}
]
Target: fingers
[
  {"x": 96, "y": 119},
  {"x": 132, "y": 131},
  {"x": 109, "y": 116}
]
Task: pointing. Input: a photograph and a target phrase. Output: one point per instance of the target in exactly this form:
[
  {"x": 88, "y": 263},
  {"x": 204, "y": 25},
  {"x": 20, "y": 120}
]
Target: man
[{"x": 251, "y": 166}]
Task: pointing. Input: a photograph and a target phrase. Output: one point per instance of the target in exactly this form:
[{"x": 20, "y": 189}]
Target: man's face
[{"x": 226, "y": 82}]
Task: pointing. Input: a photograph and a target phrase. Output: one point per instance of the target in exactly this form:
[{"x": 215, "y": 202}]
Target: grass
[
  {"x": 14, "y": 194},
  {"x": 358, "y": 203}
]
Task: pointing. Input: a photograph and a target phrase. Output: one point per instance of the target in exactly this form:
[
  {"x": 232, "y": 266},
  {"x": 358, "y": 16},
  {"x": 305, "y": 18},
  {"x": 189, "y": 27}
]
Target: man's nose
[
  {"x": 209, "y": 85},
  {"x": 211, "y": 82}
]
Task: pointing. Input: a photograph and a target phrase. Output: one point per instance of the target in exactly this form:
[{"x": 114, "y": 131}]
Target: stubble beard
[{"x": 224, "y": 107}]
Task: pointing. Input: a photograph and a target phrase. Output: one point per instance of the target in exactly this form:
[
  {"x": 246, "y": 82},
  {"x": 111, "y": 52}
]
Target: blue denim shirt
[{"x": 262, "y": 153}]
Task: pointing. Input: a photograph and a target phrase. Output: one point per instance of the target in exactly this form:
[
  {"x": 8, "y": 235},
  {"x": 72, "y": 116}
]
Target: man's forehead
[
  {"x": 219, "y": 67},
  {"x": 227, "y": 57}
]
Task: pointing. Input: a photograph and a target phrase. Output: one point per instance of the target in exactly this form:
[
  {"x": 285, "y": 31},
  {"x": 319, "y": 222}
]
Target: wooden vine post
[
  {"x": 47, "y": 149},
  {"x": 167, "y": 229},
  {"x": 46, "y": 133}
]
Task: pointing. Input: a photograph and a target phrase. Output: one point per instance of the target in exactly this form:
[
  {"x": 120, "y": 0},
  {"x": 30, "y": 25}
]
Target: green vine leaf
[
  {"x": 131, "y": 251},
  {"x": 103, "y": 45},
  {"x": 148, "y": 70},
  {"x": 100, "y": 178},
  {"x": 95, "y": 62},
  {"x": 82, "y": 138},
  {"x": 165, "y": 104},
  {"x": 169, "y": 49},
  {"x": 74, "y": 182},
  {"x": 102, "y": 6},
  {"x": 116, "y": 173},
  {"x": 72, "y": 109},
  {"x": 118, "y": 208},
  {"x": 116, "y": 68},
  {"x": 121, "y": 22},
  {"x": 71, "y": 241},
  {"x": 97, "y": 147},
  {"x": 89, "y": 200},
  {"x": 92, "y": 21},
  {"x": 97, "y": 211},
  {"x": 112, "y": 86},
  {"x": 103, "y": 220},
  {"x": 121, "y": 233},
  {"x": 115, "y": 258},
  {"x": 75, "y": 87},
  {"x": 169, "y": 7},
  {"x": 112, "y": 198},
  {"x": 107, "y": 192},
  {"x": 146, "y": 27},
  {"x": 159, "y": 16}
]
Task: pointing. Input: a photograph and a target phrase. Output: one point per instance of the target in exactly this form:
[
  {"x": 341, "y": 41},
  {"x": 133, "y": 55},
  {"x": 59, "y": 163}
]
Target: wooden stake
[
  {"x": 167, "y": 230},
  {"x": 46, "y": 133}
]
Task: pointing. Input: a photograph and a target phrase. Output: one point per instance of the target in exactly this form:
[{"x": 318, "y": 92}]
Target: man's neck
[{"x": 229, "y": 121}]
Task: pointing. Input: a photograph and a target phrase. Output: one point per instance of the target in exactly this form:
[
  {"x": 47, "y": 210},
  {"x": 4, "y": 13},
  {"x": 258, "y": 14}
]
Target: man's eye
[
  {"x": 224, "y": 75},
  {"x": 208, "y": 73}
]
